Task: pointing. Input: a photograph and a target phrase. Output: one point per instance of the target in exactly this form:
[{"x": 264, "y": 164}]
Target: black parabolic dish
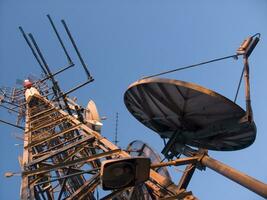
[{"x": 201, "y": 117}]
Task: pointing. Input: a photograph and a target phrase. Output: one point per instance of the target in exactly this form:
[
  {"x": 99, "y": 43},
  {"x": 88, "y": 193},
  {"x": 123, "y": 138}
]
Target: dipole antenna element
[{"x": 116, "y": 129}]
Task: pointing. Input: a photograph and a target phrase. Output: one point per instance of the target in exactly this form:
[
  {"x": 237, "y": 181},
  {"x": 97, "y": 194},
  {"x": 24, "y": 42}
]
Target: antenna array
[
  {"x": 66, "y": 157},
  {"x": 64, "y": 152}
]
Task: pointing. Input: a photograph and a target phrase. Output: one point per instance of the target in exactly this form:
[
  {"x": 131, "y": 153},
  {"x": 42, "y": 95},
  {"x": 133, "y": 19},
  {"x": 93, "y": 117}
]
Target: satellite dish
[
  {"x": 139, "y": 148},
  {"x": 197, "y": 116},
  {"x": 92, "y": 117}
]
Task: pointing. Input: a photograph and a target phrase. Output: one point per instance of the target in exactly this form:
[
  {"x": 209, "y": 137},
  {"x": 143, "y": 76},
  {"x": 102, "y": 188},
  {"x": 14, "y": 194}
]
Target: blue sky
[{"x": 123, "y": 40}]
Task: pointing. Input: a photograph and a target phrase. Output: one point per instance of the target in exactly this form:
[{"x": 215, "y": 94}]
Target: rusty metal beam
[
  {"x": 43, "y": 112},
  {"x": 86, "y": 187},
  {"x": 70, "y": 163},
  {"x": 187, "y": 175},
  {"x": 42, "y": 117},
  {"x": 74, "y": 144},
  {"x": 180, "y": 161},
  {"x": 52, "y": 136},
  {"x": 236, "y": 176},
  {"x": 44, "y": 125}
]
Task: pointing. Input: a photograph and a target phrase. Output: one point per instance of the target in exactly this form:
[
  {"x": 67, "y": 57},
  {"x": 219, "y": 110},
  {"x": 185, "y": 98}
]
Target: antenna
[
  {"x": 32, "y": 49},
  {"x": 196, "y": 119},
  {"x": 77, "y": 50},
  {"x": 116, "y": 129},
  {"x": 66, "y": 157},
  {"x": 59, "y": 39},
  {"x": 58, "y": 93},
  {"x": 63, "y": 147},
  {"x": 56, "y": 89}
]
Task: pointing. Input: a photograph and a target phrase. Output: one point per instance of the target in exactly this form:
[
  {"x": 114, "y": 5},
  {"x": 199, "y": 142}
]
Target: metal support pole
[
  {"x": 9, "y": 109},
  {"x": 180, "y": 161},
  {"x": 14, "y": 125},
  {"x": 187, "y": 175},
  {"x": 247, "y": 88},
  {"x": 236, "y": 176},
  {"x": 56, "y": 73}
]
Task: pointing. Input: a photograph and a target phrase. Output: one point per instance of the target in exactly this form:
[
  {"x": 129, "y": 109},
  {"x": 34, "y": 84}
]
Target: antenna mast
[{"x": 116, "y": 129}]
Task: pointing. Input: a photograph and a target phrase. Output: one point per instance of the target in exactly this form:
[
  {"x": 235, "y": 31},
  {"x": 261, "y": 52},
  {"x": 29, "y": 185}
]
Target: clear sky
[{"x": 123, "y": 40}]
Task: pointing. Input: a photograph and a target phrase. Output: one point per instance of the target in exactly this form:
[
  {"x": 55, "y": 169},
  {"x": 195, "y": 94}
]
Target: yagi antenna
[
  {"x": 56, "y": 89},
  {"x": 58, "y": 93}
]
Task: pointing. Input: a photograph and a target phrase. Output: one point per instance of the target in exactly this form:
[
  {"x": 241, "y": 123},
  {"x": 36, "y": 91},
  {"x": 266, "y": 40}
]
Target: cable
[
  {"x": 235, "y": 56},
  {"x": 239, "y": 84},
  {"x": 183, "y": 171}
]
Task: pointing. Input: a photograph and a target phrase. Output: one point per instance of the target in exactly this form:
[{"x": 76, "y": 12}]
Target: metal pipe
[
  {"x": 58, "y": 72},
  {"x": 236, "y": 176},
  {"x": 75, "y": 88},
  {"x": 14, "y": 125},
  {"x": 187, "y": 175},
  {"x": 63, "y": 185},
  {"x": 180, "y": 161},
  {"x": 33, "y": 51},
  {"x": 56, "y": 89},
  {"x": 90, "y": 171},
  {"x": 76, "y": 49},
  {"x": 235, "y": 56},
  {"x": 59, "y": 38},
  {"x": 11, "y": 103},
  {"x": 40, "y": 54},
  {"x": 239, "y": 84},
  {"x": 247, "y": 89},
  {"x": 10, "y": 109}
]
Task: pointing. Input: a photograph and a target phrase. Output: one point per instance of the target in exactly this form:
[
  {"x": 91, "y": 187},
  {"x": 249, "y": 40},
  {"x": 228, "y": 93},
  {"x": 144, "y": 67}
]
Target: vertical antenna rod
[
  {"x": 116, "y": 129},
  {"x": 60, "y": 40},
  {"x": 76, "y": 49},
  {"x": 33, "y": 51},
  {"x": 57, "y": 89},
  {"x": 40, "y": 54}
]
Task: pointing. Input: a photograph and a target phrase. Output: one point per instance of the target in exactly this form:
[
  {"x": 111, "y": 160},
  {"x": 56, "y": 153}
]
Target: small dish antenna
[{"x": 92, "y": 117}]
